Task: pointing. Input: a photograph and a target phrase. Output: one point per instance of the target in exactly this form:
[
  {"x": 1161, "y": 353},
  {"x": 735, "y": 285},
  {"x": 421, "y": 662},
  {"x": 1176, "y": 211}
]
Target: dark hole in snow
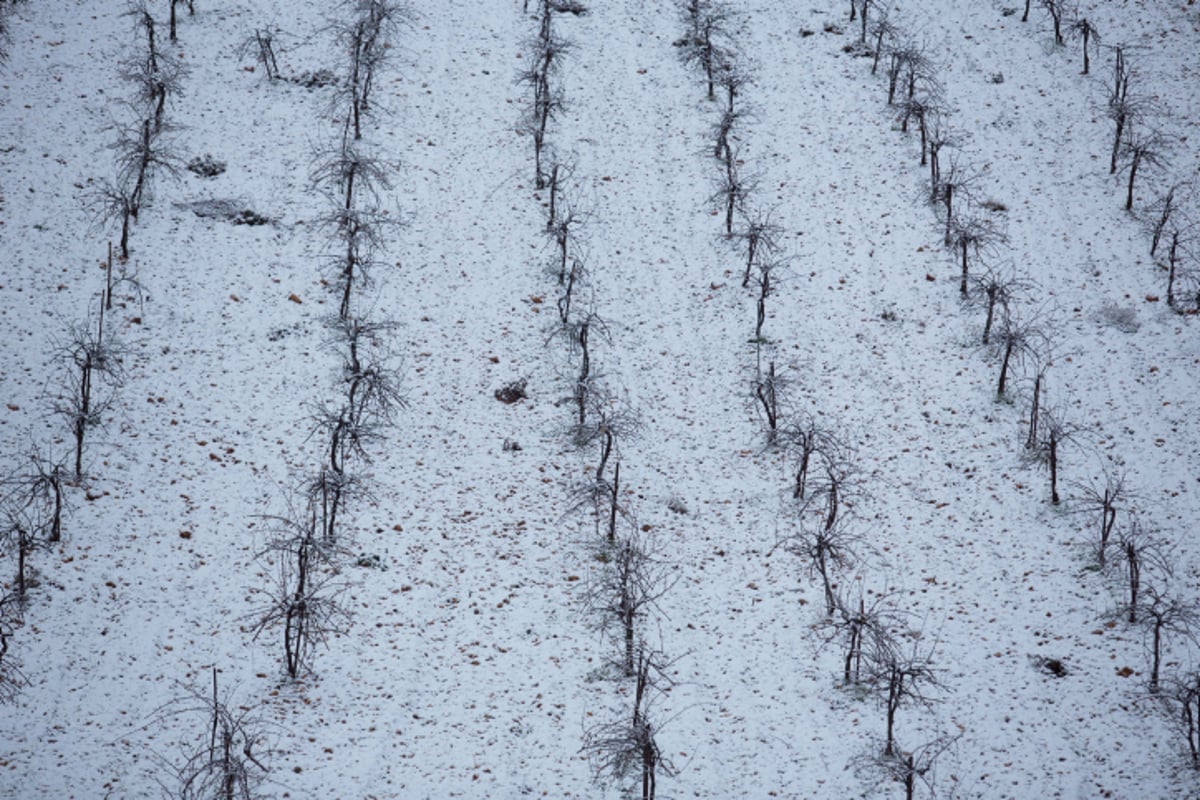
[
  {"x": 315, "y": 80},
  {"x": 248, "y": 217},
  {"x": 1051, "y": 666},
  {"x": 206, "y": 166},
  {"x": 512, "y": 392},
  {"x": 569, "y": 7}
]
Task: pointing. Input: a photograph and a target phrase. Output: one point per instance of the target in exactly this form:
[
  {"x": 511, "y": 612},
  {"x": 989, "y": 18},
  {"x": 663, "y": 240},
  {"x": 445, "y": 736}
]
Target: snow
[{"x": 471, "y": 668}]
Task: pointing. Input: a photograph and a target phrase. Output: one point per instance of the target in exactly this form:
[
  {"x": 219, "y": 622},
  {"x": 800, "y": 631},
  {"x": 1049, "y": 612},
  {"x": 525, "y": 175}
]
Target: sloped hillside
[{"x": 305, "y": 358}]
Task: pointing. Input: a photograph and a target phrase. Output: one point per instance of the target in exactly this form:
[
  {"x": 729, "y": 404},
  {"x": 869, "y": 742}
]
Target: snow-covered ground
[{"x": 471, "y": 667}]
